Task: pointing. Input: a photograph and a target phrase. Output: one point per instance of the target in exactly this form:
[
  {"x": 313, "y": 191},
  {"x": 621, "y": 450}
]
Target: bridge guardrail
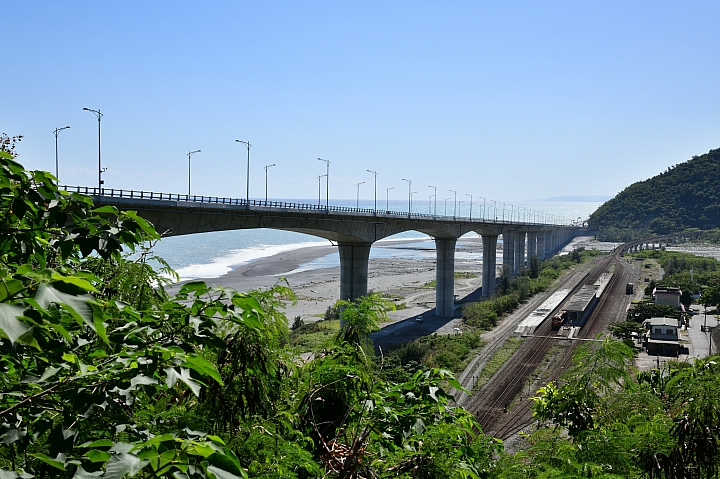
[{"x": 151, "y": 195}]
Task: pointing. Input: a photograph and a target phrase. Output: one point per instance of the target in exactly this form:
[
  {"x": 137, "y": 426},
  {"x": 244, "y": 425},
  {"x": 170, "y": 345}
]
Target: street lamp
[
  {"x": 100, "y": 170},
  {"x": 319, "y": 177},
  {"x": 247, "y": 182},
  {"x": 434, "y": 194},
  {"x": 409, "y": 195},
  {"x": 430, "y": 201},
  {"x": 471, "y": 198},
  {"x": 374, "y": 173},
  {"x": 454, "y": 210},
  {"x": 446, "y": 205},
  {"x": 483, "y": 210},
  {"x": 327, "y": 183},
  {"x": 460, "y": 206},
  {"x": 387, "y": 198},
  {"x": 266, "y": 168},
  {"x": 357, "y": 202},
  {"x": 57, "y": 167},
  {"x": 190, "y": 154}
]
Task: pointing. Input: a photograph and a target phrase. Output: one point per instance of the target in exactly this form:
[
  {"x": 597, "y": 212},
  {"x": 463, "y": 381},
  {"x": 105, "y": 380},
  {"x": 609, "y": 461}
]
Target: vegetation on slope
[
  {"x": 105, "y": 378},
  {"x": 686, "y": 196}
]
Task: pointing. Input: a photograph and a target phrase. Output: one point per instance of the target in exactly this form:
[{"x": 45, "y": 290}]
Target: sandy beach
[{"x": 399, "y": 279}]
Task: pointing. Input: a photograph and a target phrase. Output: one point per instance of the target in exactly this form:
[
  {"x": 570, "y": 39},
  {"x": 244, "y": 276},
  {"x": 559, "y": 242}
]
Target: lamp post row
[{"x": 521, "y": 212}]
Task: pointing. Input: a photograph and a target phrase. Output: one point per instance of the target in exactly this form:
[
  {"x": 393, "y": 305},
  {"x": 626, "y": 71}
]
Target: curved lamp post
[
  {"x": 455, "y": 209},
  {"x": 471, "y": 198},
  {"x": 387, "y": 198},
  {"x": 266, "y": 189},
  {"x": 327, "y": 182},
  {"x": 57, "y": 165},
  {"x": 357, "y": 202},
  {"x": 319, "y": 177},
  {"x": 409, "y": 195},
  {"x": 446, "y": 205},
  {"x": 190, "y": 154},
  {"x": 100, "y": 169},
  {"x": 374, "y": 173},
  {"x": 247, "y": 182},
  {"x": 435, "y": 195}
]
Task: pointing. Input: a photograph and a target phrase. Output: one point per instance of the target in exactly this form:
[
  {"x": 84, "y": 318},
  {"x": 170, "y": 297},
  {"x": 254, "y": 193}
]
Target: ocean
[{"x": 210, "y": 255}]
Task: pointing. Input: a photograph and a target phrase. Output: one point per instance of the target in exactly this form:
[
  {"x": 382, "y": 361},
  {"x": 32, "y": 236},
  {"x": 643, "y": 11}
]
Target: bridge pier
[
  {"x": 489, "y": 265},
  {"x": 532, "y": 244},
  {"x": 354, "y": 259},
  {"x": 541, "y": 245},
  {"x": 509, "y": 250},
  {"x": 445, "y": 277},
  {"x": 549, "y": 244},
  {"x": 519, "y": 251}
]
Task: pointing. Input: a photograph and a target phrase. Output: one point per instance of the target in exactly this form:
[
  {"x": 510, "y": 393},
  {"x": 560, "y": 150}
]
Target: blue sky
[{"x": 513, "y": 101}]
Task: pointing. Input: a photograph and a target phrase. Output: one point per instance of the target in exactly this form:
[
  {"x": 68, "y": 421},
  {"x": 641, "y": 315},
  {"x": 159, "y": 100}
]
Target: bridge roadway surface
[{"x": 353, "y": 230}]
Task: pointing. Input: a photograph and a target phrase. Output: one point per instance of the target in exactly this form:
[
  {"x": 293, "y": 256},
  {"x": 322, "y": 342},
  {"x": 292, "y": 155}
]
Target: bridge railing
[{"x": 152, "y": 195}]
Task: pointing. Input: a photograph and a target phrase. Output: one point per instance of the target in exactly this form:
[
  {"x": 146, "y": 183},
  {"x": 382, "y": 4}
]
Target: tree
[
  {"x": 534, "y": 266},
  {"x": 79, "y": 366},
  {"x": 626, "y": 331}
]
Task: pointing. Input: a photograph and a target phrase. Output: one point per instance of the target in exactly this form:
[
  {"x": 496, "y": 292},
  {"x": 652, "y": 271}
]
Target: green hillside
[{"x": 686, "y": 196}]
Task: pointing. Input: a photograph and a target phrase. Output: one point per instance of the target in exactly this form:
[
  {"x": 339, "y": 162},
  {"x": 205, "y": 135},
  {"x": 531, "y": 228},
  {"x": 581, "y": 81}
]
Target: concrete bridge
[
  {"x": 354, "y": 230},
  {"x": 658, "y": 242}
]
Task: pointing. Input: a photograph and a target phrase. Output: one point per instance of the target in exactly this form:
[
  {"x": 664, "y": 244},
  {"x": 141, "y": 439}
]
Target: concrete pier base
[
  {"x": 353, "y": 270},
  {"x": 445, "y": 277},
  {"x": 489, "y": 266}
]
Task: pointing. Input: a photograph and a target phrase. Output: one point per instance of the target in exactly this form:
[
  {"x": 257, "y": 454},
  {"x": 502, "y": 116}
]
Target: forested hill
[{"x": 685, "y": 196}]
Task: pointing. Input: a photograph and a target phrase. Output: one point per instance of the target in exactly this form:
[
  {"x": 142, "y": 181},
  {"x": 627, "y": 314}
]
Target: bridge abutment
[
  {"x": 445, "y": 277},
  {"x": 354, "y": 259},
  {"x": 489, "y": 266}
]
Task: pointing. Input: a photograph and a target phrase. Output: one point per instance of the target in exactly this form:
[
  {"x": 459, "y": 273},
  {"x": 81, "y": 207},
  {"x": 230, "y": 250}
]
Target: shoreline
[{"x": 397, "y": 278}]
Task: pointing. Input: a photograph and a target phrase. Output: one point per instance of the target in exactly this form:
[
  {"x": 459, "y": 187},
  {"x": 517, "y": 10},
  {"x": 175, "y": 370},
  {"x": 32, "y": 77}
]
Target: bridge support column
[
  {"x": 445, "y": 277},
  {"x": 353, "y": 270},
  {"x": 489, "y": 266},
  {"x": 509, "y": 250},
  {"x": 541, "y": 245},
  {"x": 532, "y": 244},
  {"x": 519, "y": 251},
  {"x": 549, "y": 244}
]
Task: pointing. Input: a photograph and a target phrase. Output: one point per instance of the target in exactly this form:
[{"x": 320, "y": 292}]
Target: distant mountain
[
  {"x": 578, "y": 199},
  {"x": 685, "y": 196}
]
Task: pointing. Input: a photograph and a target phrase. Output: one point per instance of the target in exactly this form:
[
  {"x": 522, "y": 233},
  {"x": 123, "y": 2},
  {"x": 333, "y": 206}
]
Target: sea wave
[{"x": 225, "y": 263}]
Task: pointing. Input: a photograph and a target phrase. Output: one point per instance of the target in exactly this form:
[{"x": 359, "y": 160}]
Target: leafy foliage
[{"x": 681, "y": 198}]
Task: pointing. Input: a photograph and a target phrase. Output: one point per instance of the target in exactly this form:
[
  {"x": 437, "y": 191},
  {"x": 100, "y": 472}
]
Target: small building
[
  {"x": 581, "y": 305},
  {"x": 661, "y": 336},
  {"x": 668, "y": 296}
]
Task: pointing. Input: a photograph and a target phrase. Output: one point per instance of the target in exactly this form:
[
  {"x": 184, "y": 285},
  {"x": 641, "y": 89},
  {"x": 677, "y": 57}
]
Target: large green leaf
[
  {"x": 76, "y": 305},
  {"x": 203, "y": 366},
  {"x": 184, "y": 376},
  {"x": 226, "y": 464},
  {"x": 123, "y": 463},
  {"x": 9, "y": 324}
]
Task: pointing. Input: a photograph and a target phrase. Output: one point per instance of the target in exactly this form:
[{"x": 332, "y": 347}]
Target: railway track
[
  {"x": 490, "y": 404},
  {"x": 469, "y": 376}
]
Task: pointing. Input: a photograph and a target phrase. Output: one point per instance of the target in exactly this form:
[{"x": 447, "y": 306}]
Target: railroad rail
[{"x": 490, "y": 404}]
